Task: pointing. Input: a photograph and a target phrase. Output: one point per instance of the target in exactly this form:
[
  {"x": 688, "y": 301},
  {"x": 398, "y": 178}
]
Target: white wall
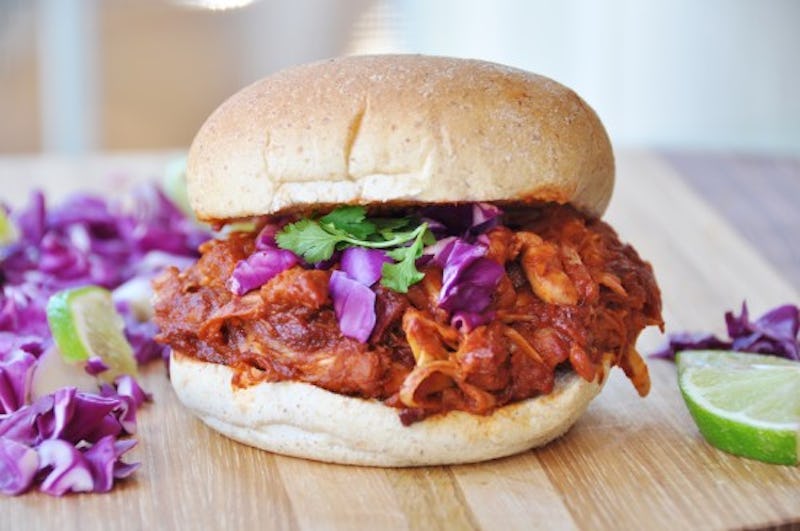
[{"x": 719, "y": 74}]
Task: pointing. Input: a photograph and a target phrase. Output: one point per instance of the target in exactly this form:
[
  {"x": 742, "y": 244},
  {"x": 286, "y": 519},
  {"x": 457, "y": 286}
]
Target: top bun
[{"x": 398, "y": 130}]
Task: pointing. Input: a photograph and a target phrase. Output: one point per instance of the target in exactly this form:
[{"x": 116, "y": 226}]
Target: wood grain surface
[
  {"x": 758, "y": 195},
  {"x": 627, "y": 464}
]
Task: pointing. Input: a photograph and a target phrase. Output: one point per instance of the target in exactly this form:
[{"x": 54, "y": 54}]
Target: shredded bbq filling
[{"x": 572, "y": 297}]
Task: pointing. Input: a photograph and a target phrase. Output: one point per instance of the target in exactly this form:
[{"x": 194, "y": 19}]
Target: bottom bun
[{"x": 302, "y": 420}]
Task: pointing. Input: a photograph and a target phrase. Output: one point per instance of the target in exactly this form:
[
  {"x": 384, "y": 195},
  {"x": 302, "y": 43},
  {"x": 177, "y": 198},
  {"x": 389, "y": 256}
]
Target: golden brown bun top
[{"x": 398, "y": 129}]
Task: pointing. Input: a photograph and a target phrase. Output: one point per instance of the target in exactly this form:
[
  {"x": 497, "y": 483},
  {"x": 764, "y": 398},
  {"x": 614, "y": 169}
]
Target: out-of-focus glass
[{"x": 216, "y": 5}]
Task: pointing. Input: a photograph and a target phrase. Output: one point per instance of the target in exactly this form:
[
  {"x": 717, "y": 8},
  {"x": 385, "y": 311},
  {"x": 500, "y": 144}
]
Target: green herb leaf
[
  {"x": 398, "y": 255},
  {"x": 404, "y": 273},
  {"x": 308, "y": 239},
  {"x": 387, "y": 226},
  {"x": 351, "y": 220}
]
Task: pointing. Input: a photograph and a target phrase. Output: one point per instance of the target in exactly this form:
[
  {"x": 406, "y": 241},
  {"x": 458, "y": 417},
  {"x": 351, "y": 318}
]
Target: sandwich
[{"x": 423, "y": 277}]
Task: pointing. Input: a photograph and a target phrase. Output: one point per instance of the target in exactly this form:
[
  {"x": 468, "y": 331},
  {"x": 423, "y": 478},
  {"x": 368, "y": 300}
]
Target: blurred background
[{"x": 80, "y": 76}]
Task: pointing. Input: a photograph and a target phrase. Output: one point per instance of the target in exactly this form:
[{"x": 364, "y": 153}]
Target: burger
[{"x": 422, "y": 277}]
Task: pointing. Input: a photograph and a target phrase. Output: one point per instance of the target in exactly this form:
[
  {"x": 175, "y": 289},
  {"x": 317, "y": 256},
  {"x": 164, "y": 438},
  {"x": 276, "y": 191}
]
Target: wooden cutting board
[{"x": 627, "y": 464}]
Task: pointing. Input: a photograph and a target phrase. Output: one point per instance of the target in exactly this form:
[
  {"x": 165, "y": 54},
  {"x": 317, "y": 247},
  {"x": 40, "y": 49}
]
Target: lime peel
[
  {"x": 173, "y": 183},
  {"x": 8, "y": 231},
  {"x": 726, "y": 391},
  {"x": 85, "y": 325}
]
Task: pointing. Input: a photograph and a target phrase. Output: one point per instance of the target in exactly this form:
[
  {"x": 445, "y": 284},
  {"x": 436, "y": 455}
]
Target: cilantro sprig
[{"x": 315, "y": 240}]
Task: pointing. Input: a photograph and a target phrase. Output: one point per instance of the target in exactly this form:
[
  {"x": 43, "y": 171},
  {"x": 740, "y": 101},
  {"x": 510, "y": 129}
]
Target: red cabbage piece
[
  {"x": 363, "y": 265},
  {"x": 89, "y": 241},
  {"x": 28, "y": 424},
  {"x": 67, "y": 414},
  {"x": 59, "y": 257},
  {"x": 127, "y": 386},
  {"x": 29, "y": 343},
  {"x": 18, "y": 466},
  {"x": 266, "y": 238},
  {"x": 439, "y": 251},
  {"x": 31, "y": 221},
  {"x": 89, "y": 211},
  {"x": 130, "y": 396},
  {"x": 79, "y": 416},
  {"x": 63, "y": 428},
  {"x": 85, "y": 240},
  {"x": 466, "y": 220},
  {"x": 438, "y": 228},
  {"x": 103, "y": 458},
  {"x": 469, "y": 278},
  {"x": 66, "y": 468},
  {"x": 95, "y": 365},
  {"x": 354, "y": 305},
  {"x": 16, "y": 373},
  {"x": 484, "y": 217},
  {"x": 141, "y": 336},
  {"x": 690, "y": 341},
  {"x": 268, "y": 261},
  {"x": 22, "y": 310},
  {"x": 774, "y": 333},
  {"x": 326, "y": 264},
  {"x": 259, "y": 268},
  {"x": 158, "y": 224}
]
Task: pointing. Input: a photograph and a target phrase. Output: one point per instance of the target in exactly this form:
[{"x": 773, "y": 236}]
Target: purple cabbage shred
[
  {"x": 73, "y": 441},
  {"x": 141, "y": 334},
  {"x": 259, "y": 268},
  {"x": 266, "y": 238},
  {"x": 267, "y": 262},
  {"x": 364, "y": 265},
  {"x": 468, "y": 281},
  {"x": 354, "y": 305},
  {"x": 62, "y": 429},
  {"x": 16, "y": 373},
  {"x": 465, "y": 220},
  {"x": 95, "y": 365},
  {"x": 65, "y": 468},
  {"x": 774, "y": 333},
  {"x": 18, "y": 465}
]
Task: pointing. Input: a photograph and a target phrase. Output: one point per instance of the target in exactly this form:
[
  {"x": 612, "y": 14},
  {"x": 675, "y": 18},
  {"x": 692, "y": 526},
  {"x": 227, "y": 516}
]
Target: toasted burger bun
[
  {"x": 398, "y": 130},
  {"x": 302, "y": 420},
  {"x": 391, "y": 131}
]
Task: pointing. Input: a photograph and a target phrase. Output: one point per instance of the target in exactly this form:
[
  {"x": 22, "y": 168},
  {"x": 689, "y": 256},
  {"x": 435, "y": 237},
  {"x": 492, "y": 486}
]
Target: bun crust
[
  {"x": 302, "y": 420},
  {"x": 398, "y": 130}
]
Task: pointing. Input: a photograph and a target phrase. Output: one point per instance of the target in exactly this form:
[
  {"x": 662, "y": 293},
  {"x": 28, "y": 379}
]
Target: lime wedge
[
  {"x": 85, "y": 324},
  {"x": 174, "y": 185},
  {"x": 744, "y": 404},
  {"x": 8, "y": 232}
]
